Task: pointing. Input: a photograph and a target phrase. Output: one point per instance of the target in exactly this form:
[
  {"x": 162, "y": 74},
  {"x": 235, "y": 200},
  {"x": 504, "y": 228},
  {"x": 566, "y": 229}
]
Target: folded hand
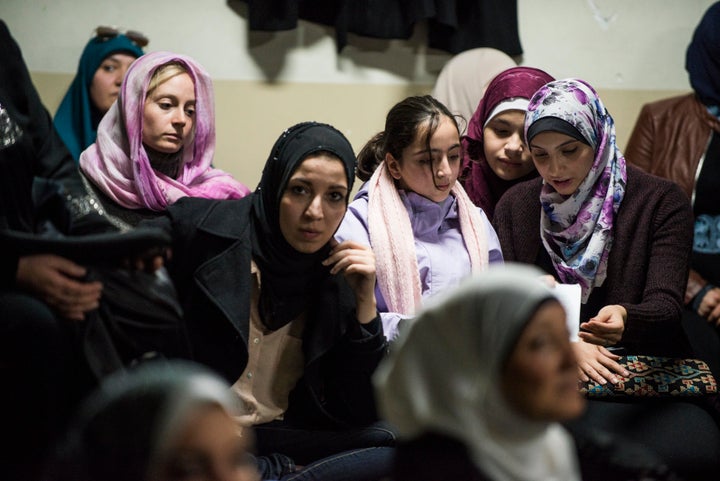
[
  {"x": 57, "y": 281},
  {"x": 597, "y": 363}
]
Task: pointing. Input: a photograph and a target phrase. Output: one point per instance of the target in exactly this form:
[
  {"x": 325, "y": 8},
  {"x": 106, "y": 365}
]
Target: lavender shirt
[{"x": 442, "y": 257}]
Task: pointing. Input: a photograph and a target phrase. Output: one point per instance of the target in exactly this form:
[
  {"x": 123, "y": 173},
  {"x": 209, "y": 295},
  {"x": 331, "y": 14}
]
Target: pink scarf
[
  {"x": 118, "y": 164},
  {"x": 393, "y": 242}
]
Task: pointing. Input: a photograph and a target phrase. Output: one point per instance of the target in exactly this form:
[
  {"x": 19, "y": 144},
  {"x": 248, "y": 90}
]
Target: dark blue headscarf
[
  {"x": 77, "y": 118},
  {"x": 703, "y": 58}
]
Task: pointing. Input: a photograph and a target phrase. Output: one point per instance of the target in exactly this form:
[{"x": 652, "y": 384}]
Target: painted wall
[{"x": 632, "y": 52}]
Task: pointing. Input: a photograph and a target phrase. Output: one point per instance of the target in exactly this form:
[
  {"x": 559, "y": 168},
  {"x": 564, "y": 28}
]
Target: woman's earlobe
[{"x": 393, "y": 166}]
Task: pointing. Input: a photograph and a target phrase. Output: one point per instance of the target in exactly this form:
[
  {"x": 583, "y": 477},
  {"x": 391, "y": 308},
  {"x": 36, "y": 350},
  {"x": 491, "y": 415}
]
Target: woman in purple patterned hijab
[
  {"x": 495, "y": 154},
  {"x": 156, "y": 143},
  {"x": 591, "y": 220},
  {"x": 578, "y": 211}
]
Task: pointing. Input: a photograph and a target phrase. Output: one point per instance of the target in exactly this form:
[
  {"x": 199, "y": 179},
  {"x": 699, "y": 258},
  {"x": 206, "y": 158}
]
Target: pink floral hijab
[
  {"x": 118, "y": 164},
  {"x": 577, "y": 231}
]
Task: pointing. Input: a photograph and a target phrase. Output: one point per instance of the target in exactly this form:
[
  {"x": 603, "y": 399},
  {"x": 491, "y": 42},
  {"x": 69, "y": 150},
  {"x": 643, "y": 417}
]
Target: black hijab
[{"x": 288, "y": 276}]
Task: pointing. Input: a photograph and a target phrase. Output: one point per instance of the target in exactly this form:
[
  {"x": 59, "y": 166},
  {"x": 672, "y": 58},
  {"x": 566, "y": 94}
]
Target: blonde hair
[{"x": 164, "y": 73}]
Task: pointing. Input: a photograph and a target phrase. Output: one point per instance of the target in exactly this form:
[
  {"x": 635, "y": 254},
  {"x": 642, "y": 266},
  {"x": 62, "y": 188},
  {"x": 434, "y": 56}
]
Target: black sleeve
[
  {"x": 348, "y": 372},
  {"x": 29, "y": 148},
  {"x": 49, "y": 156}
]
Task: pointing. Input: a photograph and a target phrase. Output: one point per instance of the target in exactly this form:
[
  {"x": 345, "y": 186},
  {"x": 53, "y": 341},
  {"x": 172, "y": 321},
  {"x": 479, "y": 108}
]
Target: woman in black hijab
[{"x": 274, "y": 305}]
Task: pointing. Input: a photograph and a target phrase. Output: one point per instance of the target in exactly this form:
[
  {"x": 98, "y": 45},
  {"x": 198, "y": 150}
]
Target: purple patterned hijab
[
  {"x": 482, "y": 185},
  {"x": 118, "y": 164},
  {"x": 577, "y": 231}
]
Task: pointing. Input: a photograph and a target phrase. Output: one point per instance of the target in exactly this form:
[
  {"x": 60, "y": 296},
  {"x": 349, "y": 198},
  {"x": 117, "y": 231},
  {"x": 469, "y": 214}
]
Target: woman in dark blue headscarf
[
  {"x": 678, "y": 138},
  {"x": 102, "y": 66},
  {"x": 702, "y": 60}
]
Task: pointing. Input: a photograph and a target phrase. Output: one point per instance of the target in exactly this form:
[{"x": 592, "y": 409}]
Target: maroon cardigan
[{"x": 648, "y": 263}]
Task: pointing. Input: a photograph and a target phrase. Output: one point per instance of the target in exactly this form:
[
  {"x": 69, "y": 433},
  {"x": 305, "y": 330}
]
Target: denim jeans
[
  {"x": 367, "y": 464},
  {"x": 357, "y": 454}
]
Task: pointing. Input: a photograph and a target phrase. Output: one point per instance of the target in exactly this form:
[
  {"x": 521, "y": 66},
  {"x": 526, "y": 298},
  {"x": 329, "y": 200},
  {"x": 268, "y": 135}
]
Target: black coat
[
  {"x": 211, "y": 269},
  {"x": 29, "y": 148}
]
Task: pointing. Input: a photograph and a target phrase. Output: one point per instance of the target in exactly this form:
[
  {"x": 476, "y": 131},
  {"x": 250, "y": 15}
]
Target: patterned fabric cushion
[{"x": 653, "y": 376}]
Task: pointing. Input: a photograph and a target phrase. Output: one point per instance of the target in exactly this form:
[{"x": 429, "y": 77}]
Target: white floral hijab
[{"x": 577, "y": 231}]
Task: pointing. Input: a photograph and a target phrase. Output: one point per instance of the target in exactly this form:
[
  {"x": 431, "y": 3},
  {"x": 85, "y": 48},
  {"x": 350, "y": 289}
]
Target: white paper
[{"x": 569, "y": 297}]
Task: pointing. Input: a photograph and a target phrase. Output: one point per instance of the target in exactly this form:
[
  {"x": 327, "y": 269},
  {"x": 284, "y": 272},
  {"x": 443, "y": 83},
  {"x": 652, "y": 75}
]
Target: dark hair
[
  {"x": 402, "y": 125},
  {"x": 474, "y": 148}
]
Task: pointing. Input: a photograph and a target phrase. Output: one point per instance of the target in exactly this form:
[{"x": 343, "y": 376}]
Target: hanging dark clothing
[{"x": 453, "y": 26}]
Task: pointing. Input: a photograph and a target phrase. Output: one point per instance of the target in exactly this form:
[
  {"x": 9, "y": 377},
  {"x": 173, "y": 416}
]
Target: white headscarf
[
  {"x": 125, "y": 429},
  {"x": 444, "y": 375},
  {"x": 462, "y": 81}
]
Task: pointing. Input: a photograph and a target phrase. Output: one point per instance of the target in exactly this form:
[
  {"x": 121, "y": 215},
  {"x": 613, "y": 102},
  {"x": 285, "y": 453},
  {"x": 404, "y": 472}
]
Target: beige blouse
[{"x": 275, "y": 364}]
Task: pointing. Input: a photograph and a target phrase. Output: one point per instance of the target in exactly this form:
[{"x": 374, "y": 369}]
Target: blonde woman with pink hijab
[{"x": 157, "y": 141}]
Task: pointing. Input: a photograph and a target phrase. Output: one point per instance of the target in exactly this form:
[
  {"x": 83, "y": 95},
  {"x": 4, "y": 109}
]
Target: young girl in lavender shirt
[{"x": 425, "y": 232}]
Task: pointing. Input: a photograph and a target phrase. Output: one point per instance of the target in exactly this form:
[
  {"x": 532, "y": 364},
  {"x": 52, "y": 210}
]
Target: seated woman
[
  {"x": 102, "y": 67},
  {"x": 484, "y": 401},
  {"x": 495, "y": 156},
  {"x": 424, "y": 230},
  {"x": 156, "y": 143},
  {"x": 285, "y": 313},
  {"x": 622, "y": 235},
  {"x": 678, "y": 138},
  {"x": 619, "y": 233},
  {"x": 160, "y": 422},
  {"x": 42, "y": 295}
]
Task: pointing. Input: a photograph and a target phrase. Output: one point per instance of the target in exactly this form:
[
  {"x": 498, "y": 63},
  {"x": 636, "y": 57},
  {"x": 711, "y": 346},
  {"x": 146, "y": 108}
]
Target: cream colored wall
[
  {"x": 248, "y": 108},
  {"x": 624, "y": 106},
  {"x": 632, "y": 52},
  {"x": 250, "y": 115}
]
